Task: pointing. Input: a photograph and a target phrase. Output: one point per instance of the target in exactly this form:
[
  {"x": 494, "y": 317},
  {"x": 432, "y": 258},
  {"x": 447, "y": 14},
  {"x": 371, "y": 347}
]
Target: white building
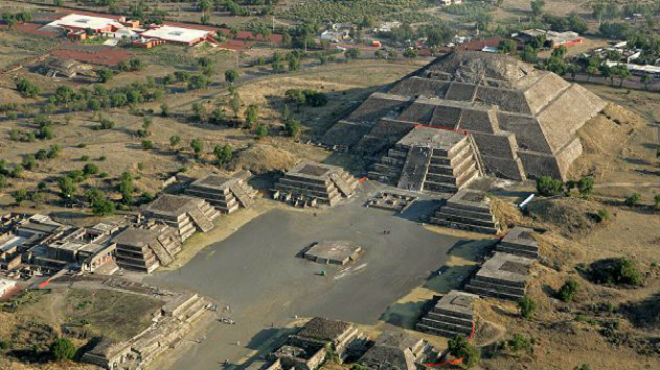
[
  {"x": 186, "y": 36},
  {"x": 6, "y": 285},
  {"x": 80, "y": 22}
]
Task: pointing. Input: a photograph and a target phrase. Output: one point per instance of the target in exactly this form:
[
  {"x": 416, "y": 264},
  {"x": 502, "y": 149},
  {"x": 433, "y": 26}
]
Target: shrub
[
  {"x": 620, "y": 271},
  {"x": 261, "y": 131},
  {"x": 84, "y": 158},
  {"x": 603, "y": 215},
  {"x": 568, "y": 290},
  {"x": 90, "y": 169},
  {"x": 586, "y": 185},
  {"x": 459, "y": 347},
  {"x": 519, "y": 343},
  {"x": 633, "y": 199},
  {"x": 147, "y": 144},
  {"x": 527, "y": 306},
  {"x": 62, "y": 349},
  {"x": 547, "y": 186}
]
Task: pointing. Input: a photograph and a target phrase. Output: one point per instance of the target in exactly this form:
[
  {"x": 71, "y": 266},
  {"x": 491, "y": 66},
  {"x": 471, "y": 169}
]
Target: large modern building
[
  {"x": 522, "y": 121},
  {"x": 177, "y": 35}
]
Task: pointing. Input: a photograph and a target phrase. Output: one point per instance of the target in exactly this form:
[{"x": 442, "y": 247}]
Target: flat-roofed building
[
  {"x": 185, "y": 213},
  {"x": 226, "y": 193},
  {"x": 83, "y": 22},
  {"x": 177, "y": 35}
]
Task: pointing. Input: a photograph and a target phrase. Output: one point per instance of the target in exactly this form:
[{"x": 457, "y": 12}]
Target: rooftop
[
  {"x": 520, "y": 235},
  {"x": 313, "y": 170},
  {"x": 323, "y": 329},
  {"x": 84, "y": 21},
  {"x": 506, "y": 266},
  {"x": 457, "y": 301},
  {"x": 174, "y": 205},
  {"x": 176, "y": 34},
  {"x": 213, "y": 181},
  {"x": 135, "y": 237}
]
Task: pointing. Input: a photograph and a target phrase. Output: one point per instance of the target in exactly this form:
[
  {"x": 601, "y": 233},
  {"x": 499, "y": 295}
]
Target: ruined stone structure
[
  {"x": 173, "y": 322},
  {"x": 520, "y": 241},
  {"x": 429, "y": 159},
  {"x": 396, "y": 350},
  {"x": 467, "y": 210},
  {"x": 226, "y": 193},
  {"x": 308, "y": 348},
  {"x": 523, "y": 121},
  {"x": 453, "y": 314},
  {"x": 311, "y": 182},
  {"x": 503, "y": 276},
  {"x": 337, "y": 252},
  {"x": 145, "y": 249},
  {"x": 392, "y": 200},
  {"x": 185, "y": 213}
]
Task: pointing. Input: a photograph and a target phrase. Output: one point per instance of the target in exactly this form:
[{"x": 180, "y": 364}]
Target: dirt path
[{"x": 628, "y": 185}]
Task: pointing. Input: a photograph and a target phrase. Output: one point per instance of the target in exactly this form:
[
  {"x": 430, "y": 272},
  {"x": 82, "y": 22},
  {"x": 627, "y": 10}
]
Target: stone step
[
  {"x": 435, "y": 331},
  {"x": 438, "y": 187},
  {"x": 481, "y": 282},
  {"x": 529, "y": 248},
  {"x": 344, "y": 187},
  {"x": 447, "y": 208},
  {"x": 516, "y": 251},
  {"x": 461, "y": 226},
  {"x": 491, "y": 293},
  {"x": 443, "y": 214},
  {"x": 446, "y": 326},
  {"x": 435, "y": 315},
  {"x": 437, "y": 178},
  {"x": 201, "y": 220},
  {"x": 467, "y": 177},
  {"x": 414, "y": 171},
  {"x": 244, "y": 198}
]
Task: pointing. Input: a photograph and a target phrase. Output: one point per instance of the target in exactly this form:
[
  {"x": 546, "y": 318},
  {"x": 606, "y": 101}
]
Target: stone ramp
[
  {"x": 161, "y": 253},
  {"x": 200, "y": 220},
  {"x": 244, "y": 199},
  {"x": 344, "y": 188},
  {"x": 415, "y": 168}
]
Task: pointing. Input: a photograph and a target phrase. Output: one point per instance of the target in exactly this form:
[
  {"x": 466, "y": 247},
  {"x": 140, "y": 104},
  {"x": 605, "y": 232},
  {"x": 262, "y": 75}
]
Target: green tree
[
  {"x": 537, "y": 7},
  {"x": 410, "y": 53},
  {"x": 27, "y": 88},
  {"x": 67, "y": 186},
  {"x": 164, "y": 110},
  {"x": 352, "y": 53},
  {"x": 126, "y": 187},
  {"x": 223, "y": 153},
  {"x": 459, "y": 347},
  {"x": 231, "y": 75},
  {"x": 251, "y": 115},
  {"x": 292, "y": 127},
  {"x": 20, "y": 196},
  {"x": 656, "y": 201},
  {"x": 547, "y": 186},
  {"x": 526, "y": 306},
  {"x": 90, "y": 169},
  {"x": 633, "y": 199},
  {"x": 104, "y": 75},
  {"x": 62, "y": 349},
  {"x": 507, "y": 46},
  {"x": 197, "y": 147}
]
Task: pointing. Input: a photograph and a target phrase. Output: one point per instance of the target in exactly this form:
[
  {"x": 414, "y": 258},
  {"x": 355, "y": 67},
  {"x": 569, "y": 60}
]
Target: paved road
[{"x": 256, "y": 272}]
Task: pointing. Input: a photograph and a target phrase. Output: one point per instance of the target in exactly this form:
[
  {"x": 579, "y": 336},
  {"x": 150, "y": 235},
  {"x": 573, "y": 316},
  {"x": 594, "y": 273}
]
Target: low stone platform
[
  {"x": 503, "y": 276},
  {"x": 391, "y": 200},
  {"x": 452, "y": 315},
  {"x": 336, "y": 252},
  {"x": 226, "y": 193},
  {"x": 467, "y": 210},
  {"x": 520, "y": 241}
]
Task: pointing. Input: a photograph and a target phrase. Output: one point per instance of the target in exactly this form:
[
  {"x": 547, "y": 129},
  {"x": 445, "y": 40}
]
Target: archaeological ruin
[
  {"x": 185, "y": 213},
  {"x": 312, "y": 184},
  {"x": 226, "y": 193},
  {"x": 521, "y": 121},
  {"x": 336, "y": 252},
  {"x": 145, "y": 249},
  {"x": 452, "y": 315},
  {"x": 519, "y": 240},
  {"x": 503, "y": 276},
  {"x": 468, "y": 210}
]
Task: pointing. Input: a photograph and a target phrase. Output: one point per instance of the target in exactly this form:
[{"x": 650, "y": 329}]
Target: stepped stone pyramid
[
  {"x": 523, "y": 120},
  {"x": 503, "y": 276},
  {"x": 226, "y": 193},
  {"x": 185, "y": 213},
  {"x": 428, "y": 159},
  {"x": 324, "y": 183},
  {"x": 144, "y": 249},
  {"x": 452, "y": 315},
  {"x": 467, "y": 210},
  {"x": 520, "y": 241}
]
